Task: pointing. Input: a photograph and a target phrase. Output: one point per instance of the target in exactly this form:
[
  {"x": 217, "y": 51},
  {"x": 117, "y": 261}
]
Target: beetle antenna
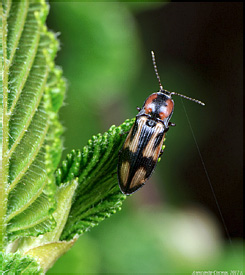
[
  {"x": 155, "y": 69},
  {"x": 189, "y": 98},
  {"x": 161, "y": 87}
]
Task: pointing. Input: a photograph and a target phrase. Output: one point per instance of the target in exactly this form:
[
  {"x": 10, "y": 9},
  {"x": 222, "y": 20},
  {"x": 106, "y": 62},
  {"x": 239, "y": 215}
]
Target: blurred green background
[{"x": 172, "y": 224}]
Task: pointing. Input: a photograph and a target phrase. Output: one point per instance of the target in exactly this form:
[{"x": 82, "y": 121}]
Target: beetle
[{"x": 143, "y": 145}]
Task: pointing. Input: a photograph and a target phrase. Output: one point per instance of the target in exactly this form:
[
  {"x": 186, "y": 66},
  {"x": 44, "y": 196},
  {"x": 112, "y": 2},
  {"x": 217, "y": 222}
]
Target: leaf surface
[
  {"x": 31, "y": 93},
  {"x": 17, "y": 264},
  {"x": 95, "y": 167}
]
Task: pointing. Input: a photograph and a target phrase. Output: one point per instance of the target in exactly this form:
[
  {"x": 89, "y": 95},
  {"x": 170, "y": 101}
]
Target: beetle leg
[
  {"x": 161, "y": 152},
  {"x": 124, "y": 133},
  {"x": 171, "y": 124}
]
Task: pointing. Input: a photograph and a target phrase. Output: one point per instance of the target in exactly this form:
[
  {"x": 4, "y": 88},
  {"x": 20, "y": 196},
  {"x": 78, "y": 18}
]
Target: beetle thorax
[{"x": 159, "y": 106}]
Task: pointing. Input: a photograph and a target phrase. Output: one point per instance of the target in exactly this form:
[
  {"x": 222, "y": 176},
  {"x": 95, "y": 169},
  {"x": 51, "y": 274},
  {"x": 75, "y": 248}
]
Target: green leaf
[
  {"x": 95, "y": 167},
  {"x": 34, "y": 199},
  {"x": 17, "y": 264},
  {"x": 87, "y": 193},
  {"x": 31, "y": 93},
  {"x": 47, "y": 254},
  {"x": 64, "y": 198}
]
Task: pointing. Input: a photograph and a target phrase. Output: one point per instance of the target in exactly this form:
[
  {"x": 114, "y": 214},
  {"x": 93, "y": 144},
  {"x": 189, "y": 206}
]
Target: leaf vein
[
  {"x": 28, "y": 65},
  {"x": 30, "y": 118},
  {"x": 32, "y": 158},
  {"x": 20, "y": 29},
  {"x": 15, "y": 213}
]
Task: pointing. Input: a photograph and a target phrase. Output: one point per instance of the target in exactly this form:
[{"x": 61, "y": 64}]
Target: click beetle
[{"x": 142, "y": 147}]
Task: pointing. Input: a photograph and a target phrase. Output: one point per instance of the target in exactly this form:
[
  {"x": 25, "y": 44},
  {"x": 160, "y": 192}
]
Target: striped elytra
[
  {"x": 139, "y": 154},
  {"x": 142, "y": 147}
]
